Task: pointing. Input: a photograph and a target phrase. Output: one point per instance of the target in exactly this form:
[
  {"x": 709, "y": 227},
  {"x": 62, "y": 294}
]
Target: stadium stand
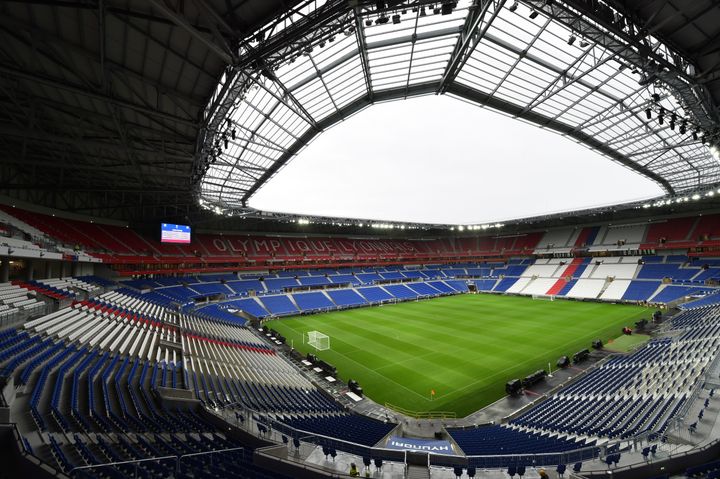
[
  {"x": 278, "y": 305},
  {"x": 313, "y": 301}
]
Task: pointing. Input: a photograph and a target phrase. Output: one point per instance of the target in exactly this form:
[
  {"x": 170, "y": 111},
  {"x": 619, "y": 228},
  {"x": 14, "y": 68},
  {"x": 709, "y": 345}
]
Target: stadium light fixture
[
  {"x": 715, "y": 152},
  {"x": 572, "y": 39},
  {"x": 513, "y": 7},
  {"x": 695, "y": 197},
  {"x": 396, "y": 19},
  {"x": 534, "y": 14},
  {"x": 584, "y": 44},
  {"x": 648, "y": 113},
  {"x": 448, "y": 7}
]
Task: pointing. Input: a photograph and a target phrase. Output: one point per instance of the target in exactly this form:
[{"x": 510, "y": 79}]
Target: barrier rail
[{"x": 422, "y": 414}]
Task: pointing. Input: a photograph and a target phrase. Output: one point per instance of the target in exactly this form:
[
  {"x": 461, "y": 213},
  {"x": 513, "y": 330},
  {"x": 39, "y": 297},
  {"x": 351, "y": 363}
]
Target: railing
[
  {"x": 174, "y": 461},
  {"x": 79, "y": 471},
  {"x": 422, "y": 414}
]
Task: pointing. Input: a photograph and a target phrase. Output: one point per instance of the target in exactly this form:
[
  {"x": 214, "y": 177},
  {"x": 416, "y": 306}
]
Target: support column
[
  {"x": 64, "y": 269},
  {"x": 48, "y": 269},
  {"x": 75, "y": 268},
  {"x": 5, "y": 270}
]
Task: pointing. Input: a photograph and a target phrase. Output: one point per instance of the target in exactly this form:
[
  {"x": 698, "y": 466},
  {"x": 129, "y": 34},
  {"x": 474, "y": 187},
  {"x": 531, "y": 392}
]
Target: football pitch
[{"x": 463, "y": 347}]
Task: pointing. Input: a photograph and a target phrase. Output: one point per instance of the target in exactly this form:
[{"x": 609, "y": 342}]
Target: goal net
[
  {"x": 318, "y": 340},
  {"x": 546, "y": 297}
]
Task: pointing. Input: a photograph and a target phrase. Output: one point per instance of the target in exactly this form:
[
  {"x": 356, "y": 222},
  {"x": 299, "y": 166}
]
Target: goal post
[
  {"x": 546, "y": 297},
  {"x": 318, "y": 340}
]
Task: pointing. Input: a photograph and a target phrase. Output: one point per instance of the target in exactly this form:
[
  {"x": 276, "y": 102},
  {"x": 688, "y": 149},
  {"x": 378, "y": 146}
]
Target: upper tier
[{"x": 124, "y": 246}]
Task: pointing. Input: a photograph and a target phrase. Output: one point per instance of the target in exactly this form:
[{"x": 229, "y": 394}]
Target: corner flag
[{"x": 432, "y": 393}]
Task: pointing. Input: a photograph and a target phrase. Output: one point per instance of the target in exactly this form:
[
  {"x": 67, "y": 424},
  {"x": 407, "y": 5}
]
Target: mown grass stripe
[{"x": 465, "y": 347}]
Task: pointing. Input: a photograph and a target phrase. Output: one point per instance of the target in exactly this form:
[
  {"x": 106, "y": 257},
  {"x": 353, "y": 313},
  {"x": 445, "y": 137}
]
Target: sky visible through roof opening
[{"x": 437, "y": 159}]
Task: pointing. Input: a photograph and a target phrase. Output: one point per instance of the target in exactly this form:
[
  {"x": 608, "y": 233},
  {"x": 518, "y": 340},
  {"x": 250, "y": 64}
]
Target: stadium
[{"x": 157, "y": 321}]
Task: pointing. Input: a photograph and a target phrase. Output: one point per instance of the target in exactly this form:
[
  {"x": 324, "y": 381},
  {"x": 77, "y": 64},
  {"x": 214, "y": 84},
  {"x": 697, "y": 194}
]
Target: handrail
[
  {"x": 422, "y": 414},
  {"x": 120, "y": 463}
]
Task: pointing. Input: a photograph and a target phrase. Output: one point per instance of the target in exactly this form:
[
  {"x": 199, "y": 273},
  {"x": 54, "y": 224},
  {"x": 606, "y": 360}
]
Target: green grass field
[{"x": 464, "y": 347}]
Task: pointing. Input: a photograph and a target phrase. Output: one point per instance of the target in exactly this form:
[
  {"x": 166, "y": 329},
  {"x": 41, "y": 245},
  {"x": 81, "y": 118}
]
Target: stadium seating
[
  {"x": 498, "y": 440},
  {"x": 374, "y": 294},
  {"x": 244, "y": 287},
  {"x": 423, "y": 289},
  {"x": 621, "y": 399},
  {"x": 658, "y": 270},
  {"x": 587, "y": 237},
  {"x": 278, "y": 305},
  {"x": 348, "y": 427},
  {"x": 504, "y": 284},
  {"x": 586, "y": 288},
  {"x": 400, "y": 291},
  {"x": 670, "y": 293},
  {"x": 640, "y": 290},
  {"x": 346, "y": 297},
  {"x": 676, "y": 229},
  {"x": 316, "y": 301},
  {"x": 275, "y": 285}
]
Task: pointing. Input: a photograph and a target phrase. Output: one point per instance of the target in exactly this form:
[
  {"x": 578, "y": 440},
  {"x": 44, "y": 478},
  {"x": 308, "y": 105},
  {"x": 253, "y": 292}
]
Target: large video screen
[{"x": 174, "y": 233}]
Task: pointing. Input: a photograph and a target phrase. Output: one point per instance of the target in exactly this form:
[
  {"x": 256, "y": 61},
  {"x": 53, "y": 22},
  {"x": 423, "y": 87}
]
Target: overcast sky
[{"x": 437, "y": 159}]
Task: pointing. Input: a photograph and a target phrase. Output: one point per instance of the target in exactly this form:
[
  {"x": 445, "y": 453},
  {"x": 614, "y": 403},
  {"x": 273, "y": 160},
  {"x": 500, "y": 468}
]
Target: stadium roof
[
  {"x": 121, "y": 108},
  {"x": 594, "y": 74}
]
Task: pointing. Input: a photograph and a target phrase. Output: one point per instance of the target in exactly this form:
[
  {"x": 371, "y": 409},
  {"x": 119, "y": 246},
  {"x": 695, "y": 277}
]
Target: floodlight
[
  {"x": 572, "y": 39},
  {"x": 447, "y": 7},
  {"x": 648, "y": 113},
  {"x": 695, "y": 197},
  {"x": 396, "y": 19},
  {"x": 695, "y": 134},
  {"x": 534, "y": 14},
  {"x": 584, "y": 44},
  {"x": 513, "y": 7}
]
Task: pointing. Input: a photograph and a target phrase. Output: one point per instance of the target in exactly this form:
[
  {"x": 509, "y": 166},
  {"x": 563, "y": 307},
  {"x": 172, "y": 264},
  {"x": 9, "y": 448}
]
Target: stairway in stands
[
  {"x": 418, "y": 472},
  {"x": 569, "y": 270}
]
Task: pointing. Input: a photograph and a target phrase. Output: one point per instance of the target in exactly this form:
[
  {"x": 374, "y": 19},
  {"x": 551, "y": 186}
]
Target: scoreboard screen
[{"x": 174, "y": 233}]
